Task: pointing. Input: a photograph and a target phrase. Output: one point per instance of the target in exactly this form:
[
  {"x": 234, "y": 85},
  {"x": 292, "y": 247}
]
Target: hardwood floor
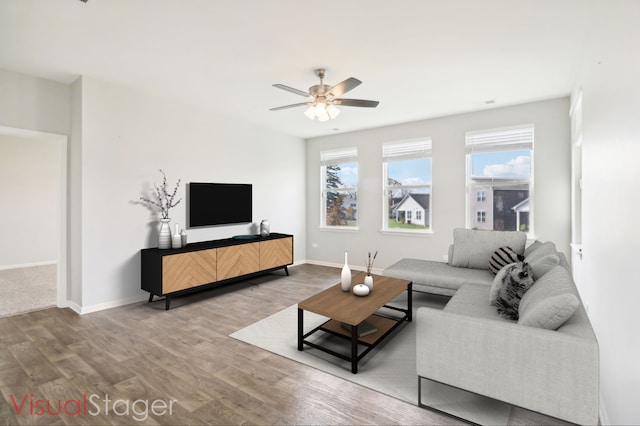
[{"x": 120, "y": 358}]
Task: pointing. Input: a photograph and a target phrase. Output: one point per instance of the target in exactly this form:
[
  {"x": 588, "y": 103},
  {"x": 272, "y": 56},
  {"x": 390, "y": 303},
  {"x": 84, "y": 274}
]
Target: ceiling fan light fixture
[
  {"x": 321, "y": 112},
  {"x": 333, "y": 111},
  {"x": 322, "y": 98},
  {"x": 310, "y": 112}
]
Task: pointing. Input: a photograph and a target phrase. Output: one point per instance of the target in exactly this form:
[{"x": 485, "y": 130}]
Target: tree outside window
[{"x": 339, "y": 188}]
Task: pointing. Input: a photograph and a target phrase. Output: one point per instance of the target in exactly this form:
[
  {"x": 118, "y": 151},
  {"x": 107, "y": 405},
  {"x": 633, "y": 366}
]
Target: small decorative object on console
[
  {"x": 176, "y": 239},
  {"x": 264, "y": 228}
]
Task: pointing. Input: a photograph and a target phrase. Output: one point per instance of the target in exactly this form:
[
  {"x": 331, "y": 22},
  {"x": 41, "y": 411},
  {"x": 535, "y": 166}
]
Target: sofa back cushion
[
  {"x": 550, "y": 302},
  {"x": 473, "y": 248}
]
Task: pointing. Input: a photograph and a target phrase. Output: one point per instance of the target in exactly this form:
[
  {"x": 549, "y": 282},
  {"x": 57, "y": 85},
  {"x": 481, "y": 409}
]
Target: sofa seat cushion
[
  {"x": 473, "y": 248},
  {"x": 438, "y": 274},
  {"x": 471, "y": 300}
]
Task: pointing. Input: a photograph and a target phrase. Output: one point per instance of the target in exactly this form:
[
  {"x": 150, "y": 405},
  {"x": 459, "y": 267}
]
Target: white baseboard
[
  {"x": 604, "y": 417},
  {"x": 29, "y": 265},
  {"x": 83, "y": 310}
]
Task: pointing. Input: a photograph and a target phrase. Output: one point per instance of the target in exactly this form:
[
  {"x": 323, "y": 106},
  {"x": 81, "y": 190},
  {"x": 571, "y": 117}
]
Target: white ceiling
[{"x": 419, "y": 58}]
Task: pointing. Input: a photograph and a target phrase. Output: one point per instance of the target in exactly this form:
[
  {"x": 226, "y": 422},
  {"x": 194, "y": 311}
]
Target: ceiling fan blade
[
  {"x": 290, "y": 106},
  {"x": 344, "y": 87},
  {"x": 292, "y": 90},
  {"x": 356, "y": 103}
]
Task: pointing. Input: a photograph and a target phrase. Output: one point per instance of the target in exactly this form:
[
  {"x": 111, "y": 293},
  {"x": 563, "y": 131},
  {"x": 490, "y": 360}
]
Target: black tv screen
[{"x": 211, "y": 204}]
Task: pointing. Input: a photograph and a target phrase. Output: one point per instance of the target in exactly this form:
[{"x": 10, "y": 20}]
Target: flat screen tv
[{"x": 211, "y": 204}]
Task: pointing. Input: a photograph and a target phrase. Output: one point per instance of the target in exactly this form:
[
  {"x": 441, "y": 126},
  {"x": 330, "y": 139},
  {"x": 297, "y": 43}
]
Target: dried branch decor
[{"x": 165, "y": 201}]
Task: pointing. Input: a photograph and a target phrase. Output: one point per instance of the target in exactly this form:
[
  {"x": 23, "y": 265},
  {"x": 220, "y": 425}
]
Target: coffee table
[{"x": 344, "y": 307}]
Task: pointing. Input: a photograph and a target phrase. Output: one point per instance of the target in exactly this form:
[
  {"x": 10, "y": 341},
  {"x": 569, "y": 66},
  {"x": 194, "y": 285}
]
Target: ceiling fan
[{"x": 324, "y": 98}]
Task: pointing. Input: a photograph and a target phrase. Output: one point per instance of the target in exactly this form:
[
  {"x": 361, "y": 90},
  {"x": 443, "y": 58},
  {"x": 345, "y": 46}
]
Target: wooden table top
[{"x": 344, "y": 306}]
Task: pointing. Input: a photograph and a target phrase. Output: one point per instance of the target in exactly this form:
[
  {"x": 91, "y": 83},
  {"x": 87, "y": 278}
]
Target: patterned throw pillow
[
  {"x": 502, "y": 257},
  {"x": 517, "y": 279}
]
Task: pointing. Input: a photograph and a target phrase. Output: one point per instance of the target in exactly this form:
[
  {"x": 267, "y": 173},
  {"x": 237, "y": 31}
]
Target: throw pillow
[
  {"x": 531, "y": 247},
  {"x": 497, "y": 283},
  {"x": 501, "y": 257},
  {"x": 552, "y": 313},
  {"x": 542, "y": 265},
  {"x": 518, "y": 278},
  {"x": 540, "y": 251},
  {"x": 550, "y": 302}
]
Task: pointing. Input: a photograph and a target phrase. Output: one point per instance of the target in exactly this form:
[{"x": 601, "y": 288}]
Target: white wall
[
  {"x": 551, "y": 192},
  {"x": 30, "y": 195},
  {"x": 32, "y": 103},
  {"x": 126, "y": 136},
  {"x": 611, "y": 202}
]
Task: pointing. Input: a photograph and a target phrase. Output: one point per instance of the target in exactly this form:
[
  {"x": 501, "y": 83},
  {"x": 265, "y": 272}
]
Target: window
[
  {"x": 499, "y": 174},
  {"x": 339, "y": 181},
  {"x": 407, "y": 186}
]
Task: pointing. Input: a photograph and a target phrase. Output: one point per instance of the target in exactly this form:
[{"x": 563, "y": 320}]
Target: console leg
[
  {"x": 286, "y": 270},
  {"x": 150, "y": 297},
  {"x": 167, "y": 302}
]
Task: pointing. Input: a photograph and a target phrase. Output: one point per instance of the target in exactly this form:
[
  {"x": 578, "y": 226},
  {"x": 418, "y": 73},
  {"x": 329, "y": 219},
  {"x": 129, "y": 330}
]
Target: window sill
[
  {"x": 339, "y": 228},
  {"x": 406, "y": 233}
]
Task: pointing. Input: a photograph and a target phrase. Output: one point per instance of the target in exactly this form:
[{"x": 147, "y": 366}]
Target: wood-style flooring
[{"x": 141, "y": 352}]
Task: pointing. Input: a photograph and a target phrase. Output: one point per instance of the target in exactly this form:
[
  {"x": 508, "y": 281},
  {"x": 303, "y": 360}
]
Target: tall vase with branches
[
  {"x": 368, "y": 280},
  {"x": 163, "y": 202}
]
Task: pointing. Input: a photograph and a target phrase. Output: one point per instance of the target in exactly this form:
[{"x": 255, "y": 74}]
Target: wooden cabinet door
[
  {"x": 241, "y": 259},
  {"x": 186, "y": 270},
  {"x": 274, "y": 253}
]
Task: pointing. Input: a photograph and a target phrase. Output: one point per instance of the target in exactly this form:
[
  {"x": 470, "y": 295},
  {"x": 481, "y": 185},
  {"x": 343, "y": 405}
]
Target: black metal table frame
[{"x": 354, "y": 358}]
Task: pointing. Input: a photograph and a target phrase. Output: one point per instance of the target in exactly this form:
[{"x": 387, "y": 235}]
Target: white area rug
[{"x": 390, "y": 368}]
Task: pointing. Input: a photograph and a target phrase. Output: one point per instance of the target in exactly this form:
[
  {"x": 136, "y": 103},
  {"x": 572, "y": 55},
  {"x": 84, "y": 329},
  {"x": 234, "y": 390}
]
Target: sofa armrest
[{"x": 542, "y": 370}]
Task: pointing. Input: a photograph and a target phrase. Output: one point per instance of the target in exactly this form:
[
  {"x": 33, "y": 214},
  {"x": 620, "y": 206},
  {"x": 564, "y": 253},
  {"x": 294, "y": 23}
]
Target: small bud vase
[
  {"x": 164, "y": 234},
  {"x": 346, "y": 275},
  {"x": 368, "y": 281},
  {"x": 264, "y": 228},
  {"x": 176, "y": 239}
]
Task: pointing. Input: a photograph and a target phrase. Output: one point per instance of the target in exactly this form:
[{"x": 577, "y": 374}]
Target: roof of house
[{"x": 421, "y": 199}]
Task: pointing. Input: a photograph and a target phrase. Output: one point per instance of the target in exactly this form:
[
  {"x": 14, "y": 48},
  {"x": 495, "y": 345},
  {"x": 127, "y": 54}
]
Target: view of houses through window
[
  {"x": 499, "y": 178},
  {"x": 339, "y": 180},
  {"x": 407, "y": 185}
]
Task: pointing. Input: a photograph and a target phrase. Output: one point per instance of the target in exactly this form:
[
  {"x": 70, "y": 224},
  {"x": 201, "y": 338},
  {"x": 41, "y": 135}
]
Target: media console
[{"x": 202, "y": 265}]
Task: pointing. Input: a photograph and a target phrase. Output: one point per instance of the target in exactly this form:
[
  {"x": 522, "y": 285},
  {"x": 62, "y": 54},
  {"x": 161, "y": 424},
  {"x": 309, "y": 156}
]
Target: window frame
[
  {"x": 506, "y": 139},
  {"x": 420, "y": 148}
]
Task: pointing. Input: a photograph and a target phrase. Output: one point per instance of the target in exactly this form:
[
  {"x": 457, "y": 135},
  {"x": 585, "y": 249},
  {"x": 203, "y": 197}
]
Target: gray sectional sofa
[{"x": 546, "y": 361}]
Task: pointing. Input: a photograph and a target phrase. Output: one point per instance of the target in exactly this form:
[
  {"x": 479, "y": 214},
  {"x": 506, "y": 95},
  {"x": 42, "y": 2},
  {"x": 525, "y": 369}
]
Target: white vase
[
  {"x": 346, "y": 275},
  {"x": 368, "y": 281},
  {"x": 176, "y": 239},
  {"x": 164, "y": 234},
  {"x": 264, "y": 228}
]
